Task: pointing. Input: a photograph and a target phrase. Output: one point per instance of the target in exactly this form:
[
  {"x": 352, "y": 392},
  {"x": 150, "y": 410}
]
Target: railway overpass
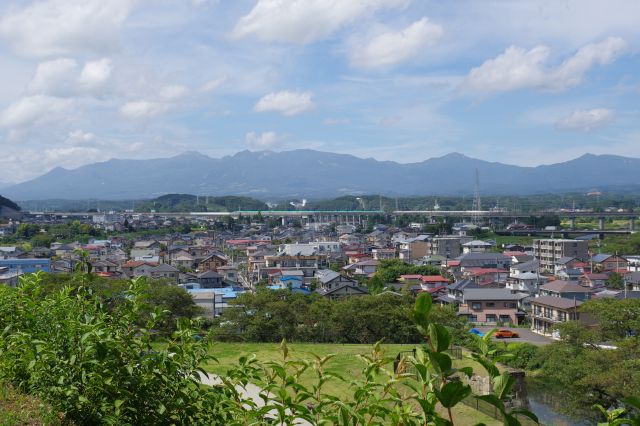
[{"x": 358, "y": 216}]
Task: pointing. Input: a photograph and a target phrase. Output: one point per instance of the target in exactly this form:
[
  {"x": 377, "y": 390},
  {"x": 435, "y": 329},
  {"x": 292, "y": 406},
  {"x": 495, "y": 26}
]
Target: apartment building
[
  {"x": 549, "y": 251},
  {"x": 547, "y": 311}
]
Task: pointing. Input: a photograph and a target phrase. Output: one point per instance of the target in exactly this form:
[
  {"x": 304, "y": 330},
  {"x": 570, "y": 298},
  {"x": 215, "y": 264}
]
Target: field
[{"x": 345, "y": 363}]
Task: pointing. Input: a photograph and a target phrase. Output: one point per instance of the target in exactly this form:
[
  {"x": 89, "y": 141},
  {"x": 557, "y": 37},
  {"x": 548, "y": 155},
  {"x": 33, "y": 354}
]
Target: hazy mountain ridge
[{"x": 308, "y": 173}]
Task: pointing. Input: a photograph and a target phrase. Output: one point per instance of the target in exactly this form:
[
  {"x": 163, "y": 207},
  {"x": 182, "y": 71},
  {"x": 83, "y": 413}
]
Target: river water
[{"x": 551, "y": 404}]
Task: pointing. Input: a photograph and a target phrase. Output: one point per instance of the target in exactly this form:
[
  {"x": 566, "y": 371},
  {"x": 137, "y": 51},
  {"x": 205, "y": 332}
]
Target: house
[
  {"x": 632, "y": 280},
  {"x": 547, "y": 311},
  {"x": 491, "y": 305},
  {"x": 10, "y": 252},
  {"x": 484, "y": 260},
  {"x": 476, "y": 246},
  {"x": 593, "y": 280},
  {"x": 137, "y": 268},
  {"x": 25, "y": 266},
  {"x": 362, "y": 268},
  {"x": 211, "y": 279},
  {"x": 609, "y": 262},
  {"x": 485, "y": 275},
  {"x": 182, "y": 259},
  {"x": 344, "y": 290},
  {"x": 213, "y": 302},
  {"x": 566, "y": 289},
  {"x": 165, "y": 271},
  {"x": 383, "y": 253},
  {"x": 212, "y": 262},
  {"x": 430, "y": 282}
]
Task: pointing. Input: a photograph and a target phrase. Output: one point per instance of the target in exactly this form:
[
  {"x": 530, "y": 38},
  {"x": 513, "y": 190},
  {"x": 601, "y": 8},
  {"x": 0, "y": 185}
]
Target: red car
[{"x": 504, "y": 333}]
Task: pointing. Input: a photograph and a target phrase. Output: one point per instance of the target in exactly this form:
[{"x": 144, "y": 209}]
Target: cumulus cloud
[
  {"x": 32, "y": 110},
  {"x": 166, "y": 98},
  {"x": 394, "y": 47},
  {"x": 95, "y": 74},
  {"x": 586, "y": 120},
  {"x": 518, "y": 68},
  {"x": 264, "y": 140},
  {"x": 63, "y": 78},
  {"x": 80, "y": 138},
  {"x": 142, "y": 109},
  {"x": 304, "y": 21},
  {"x": 285, "y": 102},
  {"x": 63, "y": 27}
]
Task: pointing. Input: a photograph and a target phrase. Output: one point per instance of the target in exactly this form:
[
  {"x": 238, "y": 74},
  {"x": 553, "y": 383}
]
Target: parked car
[
  {"x": 476, "y": 332},
  {"x": 504, "y": 333}
]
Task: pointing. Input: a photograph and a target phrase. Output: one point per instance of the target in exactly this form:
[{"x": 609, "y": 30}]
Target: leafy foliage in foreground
[{"x": 94, "y": 363}]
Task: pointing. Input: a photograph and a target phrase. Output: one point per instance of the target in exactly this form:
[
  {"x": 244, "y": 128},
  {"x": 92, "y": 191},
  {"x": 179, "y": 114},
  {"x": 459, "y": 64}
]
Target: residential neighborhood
[{"x": 537, "y": 285}]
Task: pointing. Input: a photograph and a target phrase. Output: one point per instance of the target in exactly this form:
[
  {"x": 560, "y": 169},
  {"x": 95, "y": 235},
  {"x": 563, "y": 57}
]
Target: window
[
  {"x": 490, "y": 304},
  {"x": 476, "y": 306},
  {"x": 473, "y": 318},
  {"x": 491, "y": 318},
  {"x": 510, "y": 305}
]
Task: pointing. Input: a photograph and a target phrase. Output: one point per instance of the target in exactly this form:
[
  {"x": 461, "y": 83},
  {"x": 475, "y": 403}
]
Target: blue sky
[{"x": 521, "y": 82}]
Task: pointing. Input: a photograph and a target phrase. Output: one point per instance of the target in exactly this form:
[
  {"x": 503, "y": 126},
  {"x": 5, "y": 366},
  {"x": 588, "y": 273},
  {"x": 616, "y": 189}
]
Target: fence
[{"x": 487, "y": 409}]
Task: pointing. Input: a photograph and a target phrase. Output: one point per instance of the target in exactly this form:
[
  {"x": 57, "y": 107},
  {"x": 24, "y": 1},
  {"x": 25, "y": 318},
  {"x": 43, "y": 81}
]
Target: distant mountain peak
[
  {"x": 309, "y": 174},
  {"x": 191, "y": 154}
]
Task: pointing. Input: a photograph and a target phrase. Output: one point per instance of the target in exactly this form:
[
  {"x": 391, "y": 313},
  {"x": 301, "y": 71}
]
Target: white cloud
[
  {"x": 79, "y": 138},
  {"x": 212, "y": 85},
  {"x": 265, "y": 140},
  {"x": 71, "y": 157},
  {"x": 285, "y": 102},
  {"x": 142, "y": 109},
  {"x": 173, "y": 93},
  {"x": 63, "y": 27},
  {"x": 62, "y": 78},
  {"x": 304, "y": 21},
  {"x": 586, "y": 120},
  {"x": 394, "y": 47},
  {"x": 32, "y": 110},
  {"x": 95, "y": 74},
  {"x": 518, "y": 68}
]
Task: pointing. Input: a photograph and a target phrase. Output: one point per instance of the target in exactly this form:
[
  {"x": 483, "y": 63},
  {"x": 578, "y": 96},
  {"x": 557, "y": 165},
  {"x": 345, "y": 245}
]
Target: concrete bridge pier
[
  {"x": 632, "y": 224},
  {"x": 572, "y": 223},
  {"x": 601, "y": 223}
]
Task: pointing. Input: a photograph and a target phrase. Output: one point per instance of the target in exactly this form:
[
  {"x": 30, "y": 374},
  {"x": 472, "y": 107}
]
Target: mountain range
[{"x": 314, "y": 174}]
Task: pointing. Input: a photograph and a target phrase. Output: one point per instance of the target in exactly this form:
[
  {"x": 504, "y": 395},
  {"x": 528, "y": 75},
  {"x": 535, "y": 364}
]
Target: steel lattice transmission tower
[{"x": 477, "y": 203}]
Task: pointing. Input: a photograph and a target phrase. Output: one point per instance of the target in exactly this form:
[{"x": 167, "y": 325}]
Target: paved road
[
  {"x": 526, "y": 336},
  {"x": 248, "y": 392}
]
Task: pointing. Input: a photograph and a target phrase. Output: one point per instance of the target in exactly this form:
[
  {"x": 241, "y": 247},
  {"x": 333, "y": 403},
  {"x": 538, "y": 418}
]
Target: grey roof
[
  {"x": 561, "y": 286},
  {"x": 600, "y": 257},
  {"x": 564, "y": 260},
  {"x": 531, "y": 265},
  {"x": 556, "y": 302},
  {"x": 352, "y": 287},
  {"x": 165, "y": 267},
  {"x": 632, "y": 277},
  {"x": 483, "y": 256},
  {"x": 209, "y": 274},
  {"x": 491, "y": 294},
  {"x": 326, "y": 275}
]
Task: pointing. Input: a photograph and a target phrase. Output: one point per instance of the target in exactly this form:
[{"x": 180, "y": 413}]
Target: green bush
[{"x": 91, "y": 362}]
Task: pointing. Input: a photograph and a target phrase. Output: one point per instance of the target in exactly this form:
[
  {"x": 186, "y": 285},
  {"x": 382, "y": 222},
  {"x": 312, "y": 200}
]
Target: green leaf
[
  {"x": 526, "y": 413},
  {"x": 493, "y": 400},
  {"x": 502, "y": 384},
  {"x": 452, "y": 393},
  {"x": 440, "y": 338},
  {"x": 442, "y": 360},
  {"x": 423, "y": 304}
]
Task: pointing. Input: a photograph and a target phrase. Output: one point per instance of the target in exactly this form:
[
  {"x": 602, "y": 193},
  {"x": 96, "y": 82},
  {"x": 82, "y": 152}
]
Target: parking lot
[{"x": 526, "y": 336}]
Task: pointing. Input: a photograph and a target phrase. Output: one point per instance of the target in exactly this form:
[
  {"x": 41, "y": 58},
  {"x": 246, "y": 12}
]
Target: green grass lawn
[{"x": 345, "y": 363}]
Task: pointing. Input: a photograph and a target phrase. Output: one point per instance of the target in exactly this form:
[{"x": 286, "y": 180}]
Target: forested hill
[
  {"x": 5, "y": 202},
  {"x": 193, "y": 203}
]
